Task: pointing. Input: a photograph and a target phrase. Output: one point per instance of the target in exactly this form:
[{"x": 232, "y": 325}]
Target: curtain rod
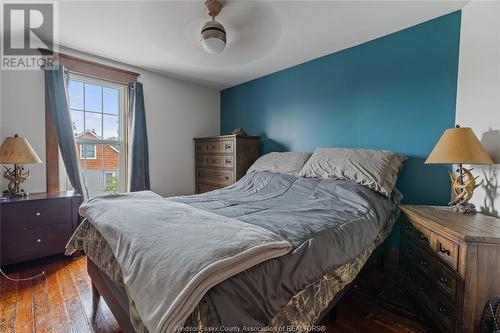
[{"x": 44, "y": 51}]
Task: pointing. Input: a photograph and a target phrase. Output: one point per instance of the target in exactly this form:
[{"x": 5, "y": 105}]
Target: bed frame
[{"x": 101, "y": 288}]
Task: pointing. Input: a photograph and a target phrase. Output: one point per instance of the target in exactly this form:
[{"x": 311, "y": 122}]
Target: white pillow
[
  {"x": 290, "y": 162},
  {"x": 376, "y": 169}
]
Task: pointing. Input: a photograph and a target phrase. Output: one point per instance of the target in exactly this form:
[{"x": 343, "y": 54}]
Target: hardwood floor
[
  {"x": 378, "y": 304},
  {"x": 60, "y": 301}
]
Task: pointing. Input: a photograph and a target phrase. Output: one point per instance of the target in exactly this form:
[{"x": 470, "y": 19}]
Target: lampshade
[
  {"x": 16, "y": 150},
  {"x": 459, "y": 145}
]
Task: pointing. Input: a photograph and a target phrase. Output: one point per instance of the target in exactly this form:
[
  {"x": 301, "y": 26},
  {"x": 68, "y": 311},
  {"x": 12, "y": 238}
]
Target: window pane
[
  {"x": 93, "y": 169},
  {"x": 112, "y": 168},
  {"x": 110, "y": 100},
  {"x": 88, "y": 151},
  {"x": 93, "y": 98},
  {"x": 111, "y": 127},
  {"x": 75, "y": 95},
  {"x": 77, "y": 120},
  {"x": 109, "y": 178},
  {"x": 93, "y": 125},
  {"x": 97, "y": 115}
]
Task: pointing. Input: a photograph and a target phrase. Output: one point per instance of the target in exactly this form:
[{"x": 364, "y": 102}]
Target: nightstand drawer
[
  {"x": 419, "y": 234},
  {"x": 437, "y": 274},
  {"x": 416, "y": 281},
  {"x": 415, "y": 256},
  {"x": 448, "y": 281},
  {"x": 35, "y": 213},
  {"x": 215, "y": 177},
  {"x": 446, "y": 249},
  {"x": 430, "y": 298},
  {"x": 444, "y": 311},
  {"x": 34, "y": 243}
]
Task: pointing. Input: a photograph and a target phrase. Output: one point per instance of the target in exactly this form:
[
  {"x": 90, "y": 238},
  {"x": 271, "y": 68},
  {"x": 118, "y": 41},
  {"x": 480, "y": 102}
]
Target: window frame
[
  {"x": 88, "y": 158},
  {"x": 122, "y": 141},
  {"x": 106, "y": 173},
  {"x": 55, "y": 174}
]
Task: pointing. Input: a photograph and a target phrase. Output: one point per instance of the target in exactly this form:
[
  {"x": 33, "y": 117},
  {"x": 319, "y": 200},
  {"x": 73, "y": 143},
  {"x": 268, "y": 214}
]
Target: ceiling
[{"x": 263, "y": 36}]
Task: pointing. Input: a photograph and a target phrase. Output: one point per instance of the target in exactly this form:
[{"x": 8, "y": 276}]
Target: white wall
[
  {"x": 478, "y": 95},
  {"x": 176, "y": 111},
  {"x": 23, "y": 112}
]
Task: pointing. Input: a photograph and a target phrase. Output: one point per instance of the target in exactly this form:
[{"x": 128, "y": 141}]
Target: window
[
  {"x": 112, "y": 181},
  {"x": 109, "y": 177},
  {"x": 97, "y": 110},
  {"x": 88, "y": 152}
]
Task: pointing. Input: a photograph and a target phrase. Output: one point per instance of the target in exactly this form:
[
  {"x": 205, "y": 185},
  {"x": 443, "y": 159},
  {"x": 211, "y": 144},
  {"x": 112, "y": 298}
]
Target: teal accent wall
[{"x": 396, "y": 92}]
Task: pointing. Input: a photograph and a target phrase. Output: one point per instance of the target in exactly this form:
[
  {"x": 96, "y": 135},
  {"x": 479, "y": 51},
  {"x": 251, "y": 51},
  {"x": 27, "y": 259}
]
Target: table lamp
[
  {"x": 18, "y": 151},
  {"x": 460, "y": 146}
]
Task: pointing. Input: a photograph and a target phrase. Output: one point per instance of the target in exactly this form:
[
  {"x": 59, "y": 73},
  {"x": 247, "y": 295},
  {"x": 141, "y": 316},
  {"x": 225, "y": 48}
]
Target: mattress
[{"x": 333, "y": 226}]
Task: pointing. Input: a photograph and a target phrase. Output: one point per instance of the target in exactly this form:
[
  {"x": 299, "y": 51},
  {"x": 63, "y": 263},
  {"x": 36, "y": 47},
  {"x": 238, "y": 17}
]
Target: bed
[{"x": 333, "y": 227}]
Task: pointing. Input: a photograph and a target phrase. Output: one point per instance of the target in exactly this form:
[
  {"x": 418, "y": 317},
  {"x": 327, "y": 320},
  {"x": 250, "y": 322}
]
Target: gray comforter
[
  {"x": 328, "y": 223},
  {"x": 178, "y": 252}
]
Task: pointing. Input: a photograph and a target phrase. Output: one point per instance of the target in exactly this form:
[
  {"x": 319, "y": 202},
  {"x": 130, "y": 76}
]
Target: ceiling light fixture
[{"x": 213, "y": 34}]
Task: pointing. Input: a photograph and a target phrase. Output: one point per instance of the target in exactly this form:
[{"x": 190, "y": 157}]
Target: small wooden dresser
[
  {"x": 222, "y": 160},
  {"x": 37, "y": 226},
  {"x": 450, "y": 263}
]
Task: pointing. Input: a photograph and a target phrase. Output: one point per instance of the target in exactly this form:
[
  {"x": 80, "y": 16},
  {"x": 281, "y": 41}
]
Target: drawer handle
[
  {"x": 38, "y": 240},
  {"x": 443, "y": 250},
  {"x": 226, "y": 178},
  {"x": 422, "y": 237},
  {"x": 422, "y": 262},
  {"x": 228, "y": 161},
  {"x": 228, "y": 146},
  {"x": 443, "y": 280},
  {"x": 441, "y": 309},
  {"x": 38, "y": 214}
]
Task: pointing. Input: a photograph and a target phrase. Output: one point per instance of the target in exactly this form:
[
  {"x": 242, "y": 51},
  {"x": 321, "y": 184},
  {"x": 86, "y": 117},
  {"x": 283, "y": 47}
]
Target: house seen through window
[{"x": 97, "y": 114}]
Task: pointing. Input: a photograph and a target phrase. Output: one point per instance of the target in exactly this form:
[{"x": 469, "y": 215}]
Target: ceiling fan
[{"x": 213, "y": 34}]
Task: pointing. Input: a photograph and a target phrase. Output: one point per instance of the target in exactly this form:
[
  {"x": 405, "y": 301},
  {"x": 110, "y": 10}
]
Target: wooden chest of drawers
[
  {"x": 450, "y": 263},
  {"x": 222, "y": 160},
  {"x": 37, "y": 226}
]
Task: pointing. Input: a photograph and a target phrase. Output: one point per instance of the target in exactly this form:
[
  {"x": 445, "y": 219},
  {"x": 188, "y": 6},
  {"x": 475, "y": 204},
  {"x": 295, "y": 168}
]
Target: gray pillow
[
  {"x": 376, "y": 169},
  {"x": 290, "y": 163}
]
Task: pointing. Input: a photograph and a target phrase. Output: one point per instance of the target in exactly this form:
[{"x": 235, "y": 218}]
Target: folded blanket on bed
[{"x": 170, "y": 262}]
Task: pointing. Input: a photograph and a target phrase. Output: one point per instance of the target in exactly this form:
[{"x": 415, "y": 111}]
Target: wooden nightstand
[
  {"x": 451, "y": 263},
  {"x": 37, "y": 226}
]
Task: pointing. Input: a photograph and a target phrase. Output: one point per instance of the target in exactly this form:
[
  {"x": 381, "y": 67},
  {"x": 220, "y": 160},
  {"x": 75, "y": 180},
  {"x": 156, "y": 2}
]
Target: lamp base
[
  {"x": 14, "y": 195},
  {"x": 465, "y": 208},
  {"x": 463, "y": 186},
  {"x": 15, "y": 177}
]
